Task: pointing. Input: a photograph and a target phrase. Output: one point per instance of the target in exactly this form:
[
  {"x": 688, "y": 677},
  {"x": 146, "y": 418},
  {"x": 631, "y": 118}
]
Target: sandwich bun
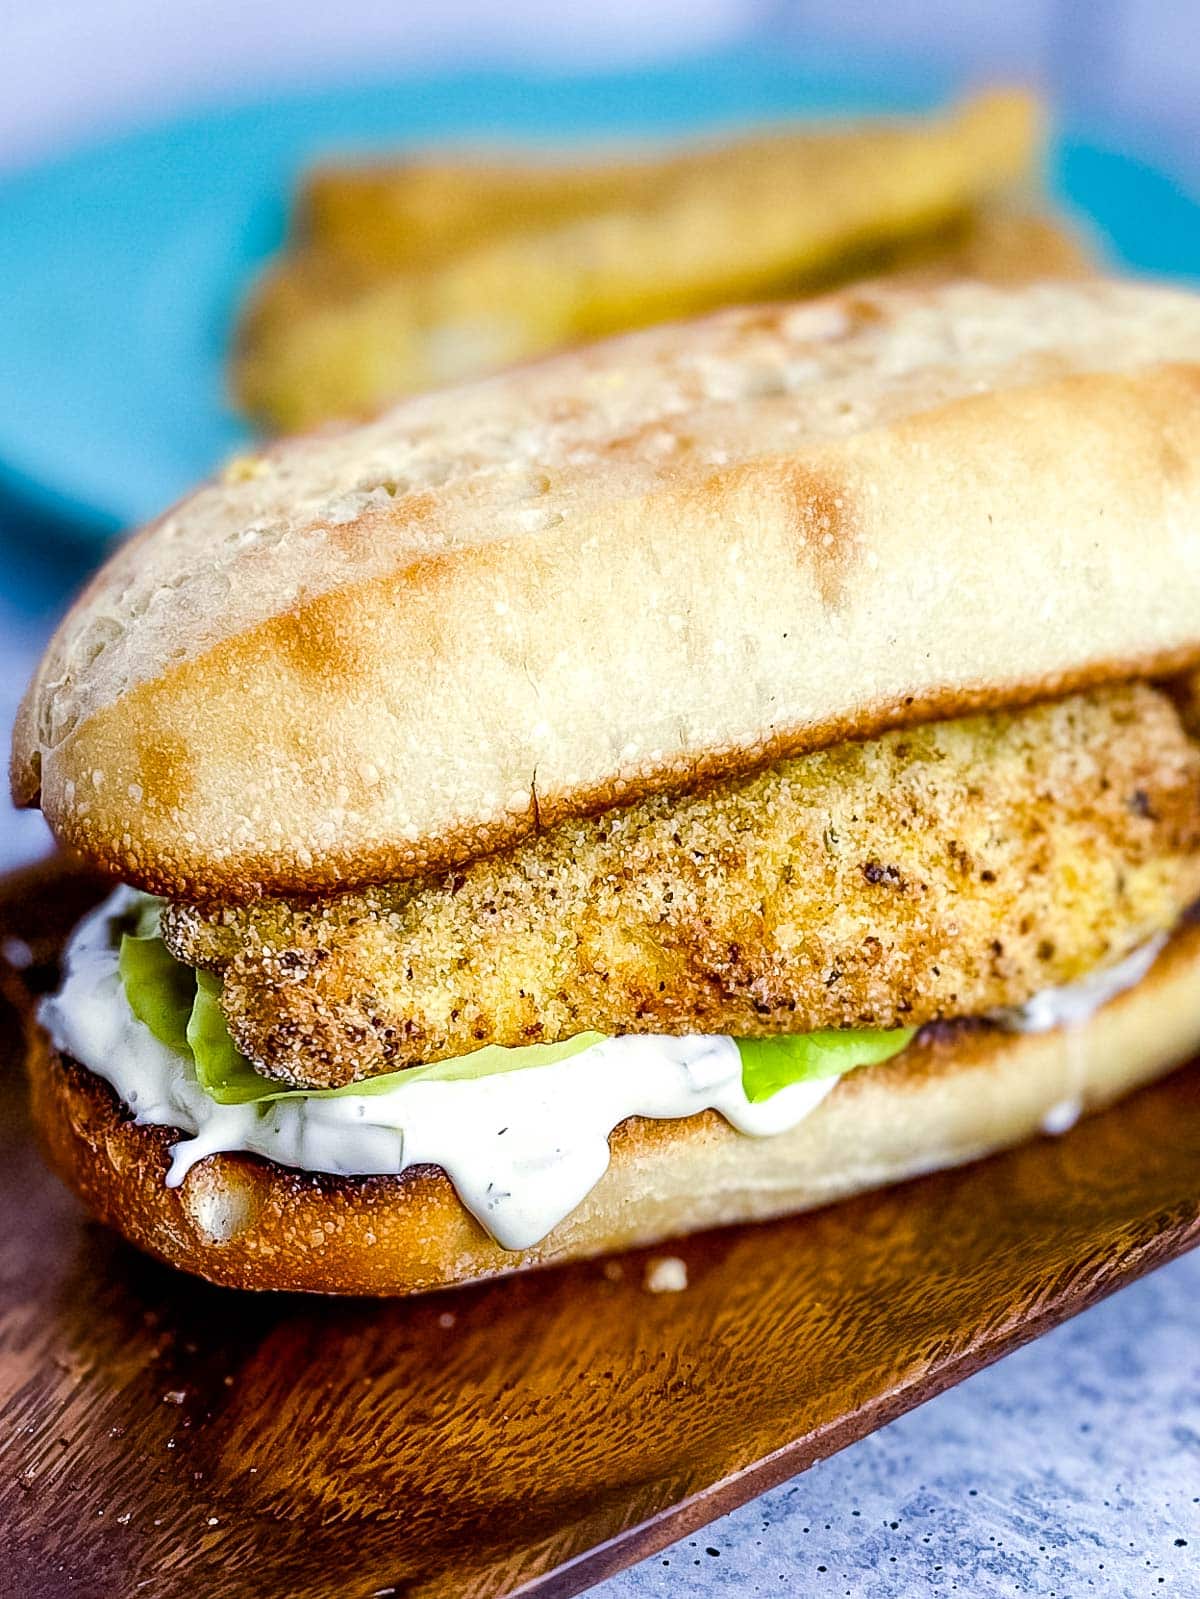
[
  {"x": 957, "y": 1093},
  {"x": 366, "y": 654}
]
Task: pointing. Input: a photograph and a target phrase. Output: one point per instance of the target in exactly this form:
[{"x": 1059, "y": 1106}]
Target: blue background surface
[{"x": 121, "y": 266}]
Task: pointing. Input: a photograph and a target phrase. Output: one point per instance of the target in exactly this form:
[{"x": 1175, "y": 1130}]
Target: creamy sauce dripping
[
  {"x": 1077, "y": 1002},
  {"x": 522, "y": 1148}
]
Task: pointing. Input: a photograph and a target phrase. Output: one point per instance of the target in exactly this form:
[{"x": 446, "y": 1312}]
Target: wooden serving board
[{"x": 159, "y": 1437}]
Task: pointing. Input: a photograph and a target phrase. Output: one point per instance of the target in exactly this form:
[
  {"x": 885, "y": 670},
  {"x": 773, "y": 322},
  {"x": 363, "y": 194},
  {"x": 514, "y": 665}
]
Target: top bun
[{"x": 368, "y": 653}]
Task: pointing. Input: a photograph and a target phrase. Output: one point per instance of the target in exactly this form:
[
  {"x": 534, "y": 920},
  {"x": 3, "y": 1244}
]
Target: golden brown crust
[
  {"x": 641, "y": 565},
  {"x": 940, "y": 871},
  {"x": 952, "y": 1097}
]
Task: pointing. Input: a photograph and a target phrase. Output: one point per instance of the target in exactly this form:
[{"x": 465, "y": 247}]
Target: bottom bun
[{"x": 958, "y": 1092}]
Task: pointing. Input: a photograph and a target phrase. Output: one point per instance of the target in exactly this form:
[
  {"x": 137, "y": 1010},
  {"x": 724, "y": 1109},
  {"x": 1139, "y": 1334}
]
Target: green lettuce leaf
[
  {"x": 769, "y": 1064},
  {"x": 182, "y": 1008},
  {"x": 222, "y": 1071},
  {"x": 232, "y": 1080},
  {"x": 160, "y": 990}
]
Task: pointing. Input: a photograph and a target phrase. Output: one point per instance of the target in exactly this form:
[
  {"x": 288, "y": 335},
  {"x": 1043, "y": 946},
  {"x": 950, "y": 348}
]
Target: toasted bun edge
[
  {"x": 437, "y": 677},
  {"x": 957, "y": 1094}
]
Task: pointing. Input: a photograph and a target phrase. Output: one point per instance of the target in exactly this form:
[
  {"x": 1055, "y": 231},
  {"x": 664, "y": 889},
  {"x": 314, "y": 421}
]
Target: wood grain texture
[{"x": 161, "y": 1437}]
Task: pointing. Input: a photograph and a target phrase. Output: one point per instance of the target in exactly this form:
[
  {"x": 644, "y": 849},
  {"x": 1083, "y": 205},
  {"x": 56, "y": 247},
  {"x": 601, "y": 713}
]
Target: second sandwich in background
[{"x": 422, "y": 271}]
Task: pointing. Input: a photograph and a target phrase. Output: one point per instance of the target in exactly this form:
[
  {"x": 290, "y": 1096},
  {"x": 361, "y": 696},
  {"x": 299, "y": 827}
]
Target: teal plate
[{"x": 122, "y": 265}]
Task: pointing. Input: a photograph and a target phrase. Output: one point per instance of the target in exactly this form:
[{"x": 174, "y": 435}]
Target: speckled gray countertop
[{"x": 1072, "y": 1467}]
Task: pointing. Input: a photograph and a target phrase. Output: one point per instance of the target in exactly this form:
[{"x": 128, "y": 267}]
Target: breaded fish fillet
[
  {"x": 408, "y": 277},
  {"x": 425, "y": 209},
  {"x": 934, "y": 872}
]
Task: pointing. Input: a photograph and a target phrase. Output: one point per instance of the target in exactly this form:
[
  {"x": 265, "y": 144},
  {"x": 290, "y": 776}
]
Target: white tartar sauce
[
  {"x": 522, "y": 1148},
  {"x": 1073, "y": 1004}
]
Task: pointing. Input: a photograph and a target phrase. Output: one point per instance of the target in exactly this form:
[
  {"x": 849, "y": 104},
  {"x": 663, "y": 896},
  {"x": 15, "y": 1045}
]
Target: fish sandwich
[{"x": 692, "y": 779}]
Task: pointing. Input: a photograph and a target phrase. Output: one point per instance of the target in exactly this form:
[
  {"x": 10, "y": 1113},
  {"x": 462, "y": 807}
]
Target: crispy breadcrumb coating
[{"x": 934, "y": 872}]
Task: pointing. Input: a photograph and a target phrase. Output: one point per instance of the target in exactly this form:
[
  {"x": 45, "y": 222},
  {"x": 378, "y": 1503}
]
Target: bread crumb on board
[{"x": 665, "y": 1274}]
